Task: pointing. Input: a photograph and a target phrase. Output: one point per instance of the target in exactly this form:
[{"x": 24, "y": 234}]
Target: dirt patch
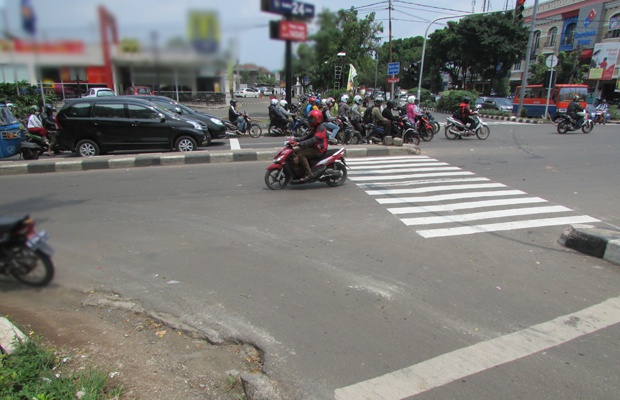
[{"x": 148, "y": 358}]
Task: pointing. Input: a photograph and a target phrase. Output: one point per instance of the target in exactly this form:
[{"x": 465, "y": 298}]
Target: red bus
[{"x": 535, "y": 99}]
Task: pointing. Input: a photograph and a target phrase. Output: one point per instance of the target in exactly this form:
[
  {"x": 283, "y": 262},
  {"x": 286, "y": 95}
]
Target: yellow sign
[
  {"x": 130, "y": 46},
  {"x": 204, "y": 31}
]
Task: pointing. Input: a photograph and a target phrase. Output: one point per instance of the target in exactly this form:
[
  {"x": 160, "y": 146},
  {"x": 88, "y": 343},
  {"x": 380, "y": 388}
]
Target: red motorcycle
[{"x": 331, "y": 168}]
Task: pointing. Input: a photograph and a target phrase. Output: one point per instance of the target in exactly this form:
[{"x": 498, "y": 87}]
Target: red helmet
[
  {"x": 311, "y": 100},
  {"x": 315, "y": 118}
]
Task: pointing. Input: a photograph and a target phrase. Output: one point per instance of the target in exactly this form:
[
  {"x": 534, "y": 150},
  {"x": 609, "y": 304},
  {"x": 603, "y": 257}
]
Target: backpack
[{"x": 367, "y": 117}]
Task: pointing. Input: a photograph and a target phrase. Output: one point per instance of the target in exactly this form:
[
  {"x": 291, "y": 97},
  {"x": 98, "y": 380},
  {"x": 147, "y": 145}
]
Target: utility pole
[
  {"x": 527, "y": 59},
  {"x": 390, "y": 39}
]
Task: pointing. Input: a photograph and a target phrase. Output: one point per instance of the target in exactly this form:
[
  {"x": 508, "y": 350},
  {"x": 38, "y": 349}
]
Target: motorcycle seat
[{"x": 8, "y": 223}]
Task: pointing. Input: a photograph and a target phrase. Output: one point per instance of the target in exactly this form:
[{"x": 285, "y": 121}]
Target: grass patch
[{"x": 33, "y": 372}]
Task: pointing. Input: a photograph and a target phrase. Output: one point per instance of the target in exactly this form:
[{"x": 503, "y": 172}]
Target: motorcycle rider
[
  {"x": 356, "y": 114},
  {"x": 388, "y": 114},
  {"x": 35, "y": 126},
  {"x": 413, "y": 111},
  {"x": 379, "y": 120},
  {"x": 236, "y": 117},
  {"x": 602, "y": 108},
  {"x": 310, "y": 106},
  {"x": 573, "y": 108},
  {"x": 313, "y": 145},
  {"x": 49, "y": 123},
  {"x": 329, "y": 120},
  {"x": 465, "y": 114},
  {"x": 274, "y": 115},
  {"x": 282, "y": 109}
]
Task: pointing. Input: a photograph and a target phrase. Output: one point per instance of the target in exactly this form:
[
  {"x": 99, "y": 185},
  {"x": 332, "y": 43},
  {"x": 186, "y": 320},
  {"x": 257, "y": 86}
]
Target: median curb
[
  {"x": 19, "y": 167},
  {"x": 10, "y": 336},
  {"x": 597, "y": 242}
]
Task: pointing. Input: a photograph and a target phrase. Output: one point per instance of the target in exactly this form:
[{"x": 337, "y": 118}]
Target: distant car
[
  {"x": 479, "y": 101},
  {"x": 138, "y": 90},
  {"x": 497, "y": 103},
  {"x": 246, "y": 92},
  {"x": 99, "y": 92}
]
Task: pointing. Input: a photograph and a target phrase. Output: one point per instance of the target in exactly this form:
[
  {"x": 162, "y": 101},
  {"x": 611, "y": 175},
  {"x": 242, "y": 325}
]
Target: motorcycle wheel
[
  {"x": 276, "y": 179},
  {"x": 483, "y": 132},
  {"x": 411, "y": 138},
  {"x": 562, "y": 128},
  {"x": 30, "y": 154},
  {"x": 256, "y": 131},
  {"x": 436, "y": 127},
  {"x": 33, "y": 268},
  {"x": 340, "y": 181},
  {"x": 427, "y": 134},
  {"x": 449, "y": 132},
  {"x": 587, "y": 127}
]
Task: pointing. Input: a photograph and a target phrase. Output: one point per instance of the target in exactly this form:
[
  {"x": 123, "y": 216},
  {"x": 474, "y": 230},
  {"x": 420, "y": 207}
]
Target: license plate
[{"x": 37, "y": 240}]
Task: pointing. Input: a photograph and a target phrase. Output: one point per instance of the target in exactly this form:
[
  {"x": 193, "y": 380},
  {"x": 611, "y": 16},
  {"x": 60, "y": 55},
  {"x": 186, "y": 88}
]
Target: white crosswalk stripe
[{"x": 415, "y": 185}]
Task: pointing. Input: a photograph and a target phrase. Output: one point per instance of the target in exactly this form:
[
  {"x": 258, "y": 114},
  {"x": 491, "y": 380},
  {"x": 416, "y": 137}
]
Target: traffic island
[{"x": 597, "y": 242}]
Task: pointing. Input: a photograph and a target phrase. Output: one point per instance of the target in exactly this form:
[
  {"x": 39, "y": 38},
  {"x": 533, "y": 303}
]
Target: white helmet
[
  {"x": 283, "y": 103},
  {"x": 411, "y": 99},
  {"x": 357, "y": 99},
  {"x": 274, "y": 102},
  {"x": 323, "y": 102},
  {"x": 344, "y": 98}
]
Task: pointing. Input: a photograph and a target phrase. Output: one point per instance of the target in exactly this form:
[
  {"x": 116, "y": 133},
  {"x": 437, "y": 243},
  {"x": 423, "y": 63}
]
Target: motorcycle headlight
[{"x": 217, "y": 121}]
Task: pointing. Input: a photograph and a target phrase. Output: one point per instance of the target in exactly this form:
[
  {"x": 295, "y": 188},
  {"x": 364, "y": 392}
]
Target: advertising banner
[{"x": 604, "y": 60}]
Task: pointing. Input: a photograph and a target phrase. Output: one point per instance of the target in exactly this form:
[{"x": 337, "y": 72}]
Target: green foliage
[
  {"x": 451, "y": 99},
  {"x": 29, "y": 96},
  {"x": 33, "y": 372},
  {"x": 614, "y": 112},
  {"x": 568, "y": 70}
]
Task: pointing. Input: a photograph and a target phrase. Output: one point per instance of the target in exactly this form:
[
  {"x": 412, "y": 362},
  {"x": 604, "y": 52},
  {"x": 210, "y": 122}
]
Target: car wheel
[
  {"x": 87, "y": 148},
  {"x": 185, "y": 143}
]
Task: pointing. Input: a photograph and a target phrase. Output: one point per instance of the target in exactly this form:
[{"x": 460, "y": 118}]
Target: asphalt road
[{"x": 345, "y": 298}]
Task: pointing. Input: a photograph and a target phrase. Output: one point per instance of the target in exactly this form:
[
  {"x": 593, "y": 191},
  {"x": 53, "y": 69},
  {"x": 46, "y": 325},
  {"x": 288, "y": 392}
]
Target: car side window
[
  {"x": 111, "y": 110},
  {"x": 80, "y": 110},
  {"x": 141, "y": 112}
]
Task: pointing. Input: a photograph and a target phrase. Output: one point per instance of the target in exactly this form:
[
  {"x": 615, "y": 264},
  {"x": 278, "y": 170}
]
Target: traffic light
[
  {"x": 337, "y": 76},
  {"x": 519, "y": 7},
  {"x": 414, "y": 68}
]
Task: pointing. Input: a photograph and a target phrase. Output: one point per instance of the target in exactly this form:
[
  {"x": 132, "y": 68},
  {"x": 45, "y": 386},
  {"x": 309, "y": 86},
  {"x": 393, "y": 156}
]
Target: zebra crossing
[{"x": 440, "y": 200}]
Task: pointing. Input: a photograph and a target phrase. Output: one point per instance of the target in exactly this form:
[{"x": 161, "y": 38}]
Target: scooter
[
  {"x": 331, "y": 168},
  {"x": 456, "y": 129},
  {"x": 566, "y": 123},
  {"x": 253, "y": 129},
  {"x": 33, "y": 146},
  {"x": 24, "y": 253},
  {"x": 347, "y": 133}
]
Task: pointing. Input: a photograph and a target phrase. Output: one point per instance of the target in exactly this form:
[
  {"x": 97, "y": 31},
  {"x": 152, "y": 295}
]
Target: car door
[
  {"x": 147, "y": 127},
  {"x": 111, "y": 125}
]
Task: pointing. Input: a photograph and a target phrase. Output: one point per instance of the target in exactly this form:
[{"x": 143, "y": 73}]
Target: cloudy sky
[{"x": 241, "y": 21}]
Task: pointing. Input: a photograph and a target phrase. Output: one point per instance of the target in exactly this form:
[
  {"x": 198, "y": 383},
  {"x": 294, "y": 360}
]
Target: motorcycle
[
  {"x": 33, "y": 146},
  {"x": 298, "y": 127},
  {"x": 24, "y": 254},
  {"x": 434, "y": 123},
  {"x": 251, "y": 128},
  {"x": 374, "y": 134},
  {"x": 347, "y": 133},
  {"x": 456, "y": 129},
  {"x": 331, "y": 168},
  {"x": 566, "y": 123}
]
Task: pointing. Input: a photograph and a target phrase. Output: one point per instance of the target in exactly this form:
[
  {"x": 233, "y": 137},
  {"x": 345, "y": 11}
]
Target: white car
[
  {"x": 100, "y": 92},
  {"x": 246, "y": 92}
]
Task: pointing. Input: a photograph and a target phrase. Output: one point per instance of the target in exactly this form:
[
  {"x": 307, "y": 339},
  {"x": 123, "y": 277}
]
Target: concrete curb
[
  {"x": 10, "y": 336},
  {"x": 597, "y": 242},
  {"x": 164, "y": 159}
]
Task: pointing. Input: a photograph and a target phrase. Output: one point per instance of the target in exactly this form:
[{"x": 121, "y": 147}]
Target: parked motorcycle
[
  {"x": 455, "y": 128},
  {"x": 566, "y": 123},
  {"x": 331, "y": 168},
  {"x": 24, "y": 253},
  {"x": 251, "y": 128}
]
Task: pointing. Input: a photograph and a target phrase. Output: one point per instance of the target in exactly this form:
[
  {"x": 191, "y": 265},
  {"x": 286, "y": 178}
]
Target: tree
[{"x": 569, "y": 69}]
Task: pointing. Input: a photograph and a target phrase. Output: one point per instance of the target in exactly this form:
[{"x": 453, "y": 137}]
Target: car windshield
[
  {"x": 105, "y": 93},
  {"x": 7, "y": 117},
  {"x": 503, "y": 102}
]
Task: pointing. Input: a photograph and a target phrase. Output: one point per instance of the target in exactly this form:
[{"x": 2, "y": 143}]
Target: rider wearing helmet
[
  {"x": 329, "y": 119},
  {"x": 236, "y": 117},
  {"x": 49, "y": 123},
  {"x": 356, "y": 113},
  {"x": 35, "y": 126},
  {"x": 573, "y": 108},
  {"x": 379, "y": 120},
  {"x": 413, "y": 112},
  {"x": 343, "y": 108},
  {"x": 282, "y": 110},
  {"x": 308, "y": 108},
  {"x": 312, "y": 145}
]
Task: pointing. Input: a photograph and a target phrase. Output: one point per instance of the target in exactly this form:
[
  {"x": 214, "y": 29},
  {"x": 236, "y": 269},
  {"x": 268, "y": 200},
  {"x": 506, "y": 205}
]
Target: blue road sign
[
  {"x": 393, "y": 68},
  {"x": 289, "y": 7}
]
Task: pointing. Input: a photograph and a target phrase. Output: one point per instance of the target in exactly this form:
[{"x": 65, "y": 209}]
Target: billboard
[{"x": 604, "y": 58}]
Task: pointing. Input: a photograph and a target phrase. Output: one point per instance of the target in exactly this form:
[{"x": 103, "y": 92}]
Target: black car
[
  {"x": 217, "y": 129},
  {"x": 96, "y": 125}
]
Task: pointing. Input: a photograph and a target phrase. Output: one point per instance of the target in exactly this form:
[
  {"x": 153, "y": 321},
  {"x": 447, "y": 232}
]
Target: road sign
[
  {"x": 288, "y": 7},
  {"x": 393, "y": 68},
  {"x": 552, "y": 61},
  {"x": 393, "y": 80}
]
